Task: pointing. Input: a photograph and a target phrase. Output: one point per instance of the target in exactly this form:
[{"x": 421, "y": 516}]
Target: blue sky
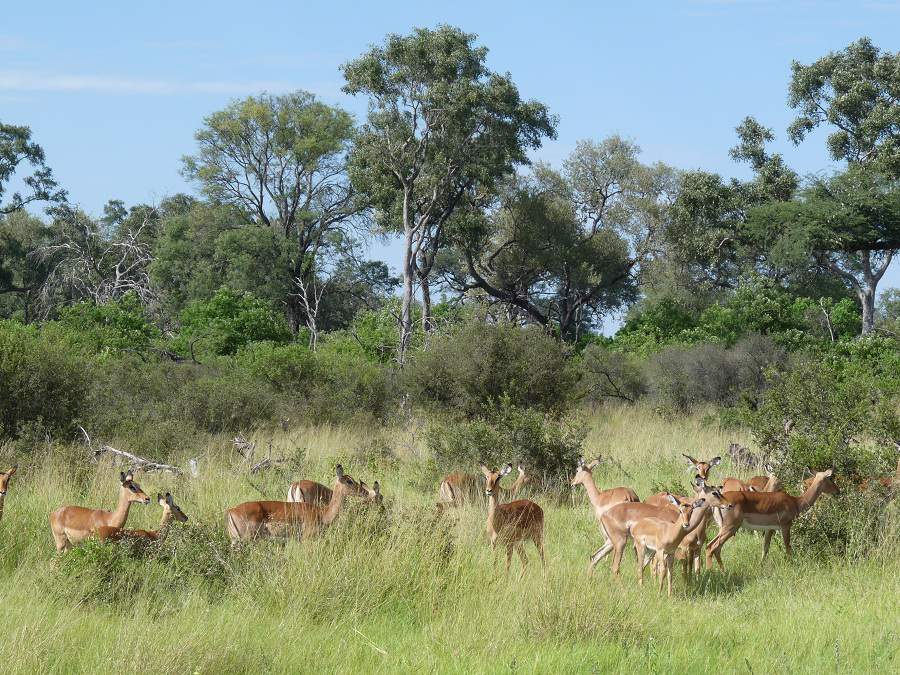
[{"x": 115, "y": 90}]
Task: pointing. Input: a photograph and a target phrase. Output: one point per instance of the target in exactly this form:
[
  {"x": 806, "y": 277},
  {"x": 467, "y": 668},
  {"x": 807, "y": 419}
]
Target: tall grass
[{"x": 407, "y": 590}]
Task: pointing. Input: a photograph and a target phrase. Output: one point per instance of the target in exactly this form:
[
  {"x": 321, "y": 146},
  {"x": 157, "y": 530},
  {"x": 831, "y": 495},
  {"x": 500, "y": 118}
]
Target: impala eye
[{"x": 132, "y": 487}]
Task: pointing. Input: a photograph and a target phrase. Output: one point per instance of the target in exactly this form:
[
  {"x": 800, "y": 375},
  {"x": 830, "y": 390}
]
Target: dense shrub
[
  {"x": 227, "y": 402},
  {"x": 608, "y": 374},
  {"x": 117, "y": 325},
  {"x": 477, "y": 363},
  {"x": 682, "y": 378},
  {"x": 228, "y": 321},
  {"x": 43, "y": 381},
  {"x": 547, "y": 444}
]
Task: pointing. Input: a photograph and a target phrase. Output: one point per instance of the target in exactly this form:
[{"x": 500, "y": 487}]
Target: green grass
[{"x": 405, "y": 591}]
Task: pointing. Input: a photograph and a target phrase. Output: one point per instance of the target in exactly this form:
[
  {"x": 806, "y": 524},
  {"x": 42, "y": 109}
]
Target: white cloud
[{"x": 31, "y": 81}]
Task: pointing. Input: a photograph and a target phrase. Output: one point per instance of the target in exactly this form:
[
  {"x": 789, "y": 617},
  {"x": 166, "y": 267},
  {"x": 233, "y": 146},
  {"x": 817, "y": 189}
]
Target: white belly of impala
[{"x": 759, "y": 528}]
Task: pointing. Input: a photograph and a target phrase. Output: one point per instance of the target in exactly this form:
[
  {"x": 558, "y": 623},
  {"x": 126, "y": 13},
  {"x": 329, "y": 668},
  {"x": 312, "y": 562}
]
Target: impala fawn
[
  {"x": 171, "y": 511},
  {"x": 271, "y": 519},
  {"x": 514, "y": 522},
  {"x": 662, "y": 538},
  {"x": 4, "y": 486},
  {"x": 72, "y": 524}
]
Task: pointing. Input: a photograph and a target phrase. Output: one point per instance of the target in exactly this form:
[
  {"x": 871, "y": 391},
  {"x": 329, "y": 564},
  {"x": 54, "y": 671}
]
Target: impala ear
[
  {"x": 169, "y": 500},
  {"x": 689, "y": 458},
  {"x": 672, "y": 499},
  {"x": 830, "y": 472},
  {"x": 769, "y": 468},
  {"x": 593, "y": 463},
  {"x": 484, "y": 469},
  {"x": 122, "y": 478},
  {"x": 580, "y": 462},
  {"x": 129, "y": 476},
  {"x": 715, "y": 461},
  {"x": 376, "y": 488},
  {"x": 12, "y": 470},
  {"x": 339, "y": 471},
  {"x": 698, "y": 503},
  {"x": 506, "y": 469}
]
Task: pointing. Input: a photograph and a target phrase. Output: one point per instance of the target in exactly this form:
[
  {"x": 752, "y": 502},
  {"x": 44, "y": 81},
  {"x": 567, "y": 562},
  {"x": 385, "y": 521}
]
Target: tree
[
  {"x": 16, "y": 150},
  {"x": 564, "y": 249},
  {"x": 848, "y": 224},
  {"x": 280, "y": 161},
  {"x": 441, "y": 127}
]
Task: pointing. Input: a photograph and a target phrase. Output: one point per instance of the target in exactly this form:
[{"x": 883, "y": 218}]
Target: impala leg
[
  {"x": 641, "y": 564},
  {"x": 670, "y": 563},
  {"x": 520, "y": 549},
  {"x": 509, "y": 552},
  {"x": 767, "y": 539},
  {"x": 618, "y": 552},
  {"x": 599, "y": 555},
  {"x": 716, "y": 544},
  {"x": 786, "y": 537},
  {"x": 686, "y": 565},
  {"x": 539, "y": 542}
]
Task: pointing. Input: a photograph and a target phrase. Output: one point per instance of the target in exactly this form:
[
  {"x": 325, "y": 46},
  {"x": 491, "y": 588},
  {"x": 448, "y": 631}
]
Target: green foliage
[
  {"x": 227, "y": 321},
  {"x": 839, "y": 416},
  {"x": 608, "y": 374},
  {"x": 478, "y": 363},
  {"x": 228, "y": 401},
  {"x": 17, "y": 151},
  {"x": 548, "y": 445},
  {"x": 116, "y": 325},
  {"x": 43, "y": 381}
]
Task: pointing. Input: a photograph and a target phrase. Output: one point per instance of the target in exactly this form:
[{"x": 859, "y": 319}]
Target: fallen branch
[{"x": 138, "y": 462}]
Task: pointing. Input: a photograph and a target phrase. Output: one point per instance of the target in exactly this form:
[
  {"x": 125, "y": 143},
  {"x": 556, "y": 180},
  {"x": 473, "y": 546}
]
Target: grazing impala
[
  {"x": 767, "y": 511},
  {"x": 662, "y": 537},
  {"x": 311, "y": 492},
  {"x": 514, "y": 522},
  {"x": 271, "y": 519},
  {"x": 4, "y": 486},
  {"x": 458, "y": 488},
  {"x": 171, "y": 511},
  {"x": 72, "y": 524},
  {"x": 601, "y": 502},
  {"x": 702, "y": 468}
]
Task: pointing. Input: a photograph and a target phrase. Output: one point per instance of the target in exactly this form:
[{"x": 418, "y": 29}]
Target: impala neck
[
  {"x": 698, "y": 517},
  {"x": 164, "y": 525},
  {"x": 593, "y": 491},
  {"x": 334, "y": 505},
  {"x": 120, "y": 515},
  {"x": 809, "y": 497}
]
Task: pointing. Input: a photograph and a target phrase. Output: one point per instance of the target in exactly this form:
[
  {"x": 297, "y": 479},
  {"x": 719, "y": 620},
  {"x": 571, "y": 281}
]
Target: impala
[
  {"x": 311, "y": 492},
  {"x": 662, "y": 537},
  {"x": 264, "y": 519},
  {"x": 690, "y": 549},
  {"x": 601, "y": 502},
  {"x": 767, "y": 483},
  {"x": 72, "y": 524},
  {"x": 4, "y": 486},
  {"x": 514, "y": 522},
  {"x": 171, "y": 511},
  {"x": 458, "y": 488},
  {"x": 521, "y": 482},
  {"x": 767, "y": 511},
  {"x": 619, "y": 520},
  {"x": 702, "y": 468}
]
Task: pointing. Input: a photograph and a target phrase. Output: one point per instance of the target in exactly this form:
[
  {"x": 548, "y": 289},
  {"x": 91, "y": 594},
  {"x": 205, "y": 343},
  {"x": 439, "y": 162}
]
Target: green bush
[
  {"x": 608, "y": 374},
  {"x": 227, "y": 401},
  {"x": 547, "y": 444},
  {"x": 477, "y": 363},
  {"x": 116, "y": 325},
  {"x": 43, "y": 381}
]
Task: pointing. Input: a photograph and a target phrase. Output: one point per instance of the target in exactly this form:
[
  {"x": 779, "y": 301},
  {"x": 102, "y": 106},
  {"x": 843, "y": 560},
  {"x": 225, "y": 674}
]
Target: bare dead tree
[{"x": 310, "y": 294}]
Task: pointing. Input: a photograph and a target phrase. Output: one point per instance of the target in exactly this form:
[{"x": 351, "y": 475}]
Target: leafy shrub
[
  {"x": 682, "y": 378},
  {"x": 347, "y": 383},
  {"x": 287, "y": 367},
  {"x": 607, "y": 374},
  {"x": 227, "y": 402},
  {"x": 228, "y": 321},
  {"x": 43, "y": 381},
  {"x": 477, "y": 363},
  {"x": 117, "y": 325},
  {"x": 547, "y": 444}
]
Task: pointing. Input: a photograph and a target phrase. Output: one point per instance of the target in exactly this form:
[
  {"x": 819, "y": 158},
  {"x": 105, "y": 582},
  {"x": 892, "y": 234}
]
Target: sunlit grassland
[{"x": 406, "y": 590}]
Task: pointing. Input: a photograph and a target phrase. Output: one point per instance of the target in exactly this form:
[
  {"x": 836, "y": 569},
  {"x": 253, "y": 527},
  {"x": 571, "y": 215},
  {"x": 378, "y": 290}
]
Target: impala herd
[{"x": 663, "y": 528}]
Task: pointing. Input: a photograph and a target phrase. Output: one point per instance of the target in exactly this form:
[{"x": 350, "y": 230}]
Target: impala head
[
  {"x": 583, "y": 471},
  {"x": 169, "y": 506},
  {"x": 4, "y": 480},
  {"x": 702, "y": 468},
  {"x": 521, "y": 470},
  {"x": 492, "y": 477},
  {"x": 711, "y": 493},
  {"x": 826, "y": 479},
  {"x": 132, "y": 489},
  {"x": 685, "y": 509},
  {"x": 372, "y": 494}
]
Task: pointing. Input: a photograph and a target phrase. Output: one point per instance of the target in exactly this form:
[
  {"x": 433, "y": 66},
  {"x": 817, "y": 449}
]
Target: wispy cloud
[{"x": 31, "y": 81}]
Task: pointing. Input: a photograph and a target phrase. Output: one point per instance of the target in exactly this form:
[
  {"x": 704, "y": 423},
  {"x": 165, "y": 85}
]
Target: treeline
[{"x": 253, "y": 302}]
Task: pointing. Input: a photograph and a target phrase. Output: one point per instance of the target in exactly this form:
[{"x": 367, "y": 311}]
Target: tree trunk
[
  {"x": 408, "y": 273},
  {"x": 866, "y": 295},
  {"x": 427, "y": 321}
]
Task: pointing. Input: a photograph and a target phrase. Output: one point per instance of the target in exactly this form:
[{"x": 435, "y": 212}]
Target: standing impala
[
  {"x": 767, "y": 511},
  {"x": 458, "y": 488},
  {"x": 171, "y": 511},
  {"x": 767, "y": 483},
  {"x": 514, "y": 522},
  {"x": 4, "y": 486},
  {"x": 662, "y": 538},
  {"x": 521, "y": 482},
  {"x": 271, "y": 519},
  {"x": 601, "y": 502},
  {"x": 702, "y": 468},
  {"x": 72, "y": 524}
]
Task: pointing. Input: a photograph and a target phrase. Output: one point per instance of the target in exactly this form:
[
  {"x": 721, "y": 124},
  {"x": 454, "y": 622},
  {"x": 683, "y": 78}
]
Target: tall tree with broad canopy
[
  {"x": 281, "y": 161},
  {"x": 441, "y": 128},
  {"x": 848, "y": 222},
  {"x": 564, "y": 249}
]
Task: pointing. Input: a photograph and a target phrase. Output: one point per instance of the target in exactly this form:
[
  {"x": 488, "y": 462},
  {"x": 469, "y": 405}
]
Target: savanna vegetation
[{"x": 242, "y": 337}]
